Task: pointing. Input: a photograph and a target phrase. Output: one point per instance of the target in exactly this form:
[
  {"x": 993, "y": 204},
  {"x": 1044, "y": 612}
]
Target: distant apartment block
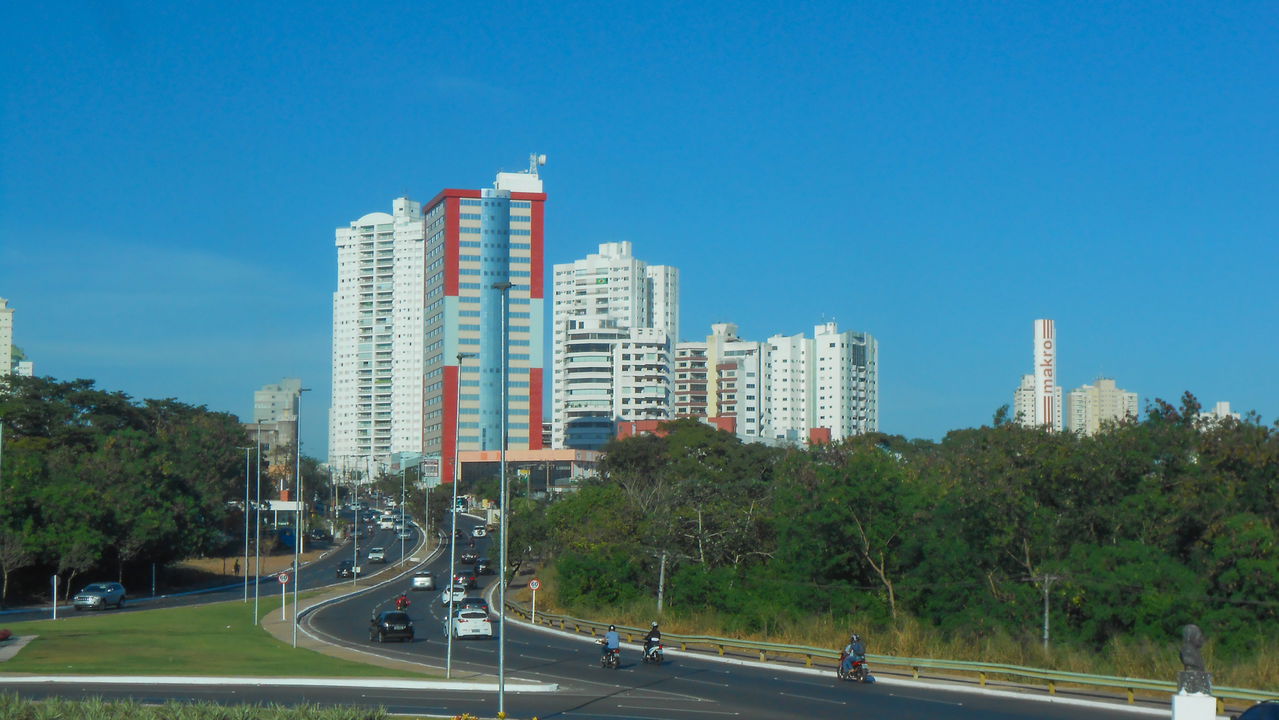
[
  {"x": 1025, "y": 400},
  {"x": 615, "y": 318},
  {"x": 829, "y": 383},
  {"x": 724, "y": 377},
  {"x": 1093, "y": 406},
  {"x": 1219, "y": 413},
  {"x": 278, "y": 401},
  {"x": 419, "y": 287}
]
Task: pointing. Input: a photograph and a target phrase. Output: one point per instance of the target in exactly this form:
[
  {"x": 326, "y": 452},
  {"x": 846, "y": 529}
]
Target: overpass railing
[{"x": 979, "y": 673}]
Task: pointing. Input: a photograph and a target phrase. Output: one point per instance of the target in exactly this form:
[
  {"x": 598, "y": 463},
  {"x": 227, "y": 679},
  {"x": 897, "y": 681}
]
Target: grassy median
[{"x": 219, "y": 639}]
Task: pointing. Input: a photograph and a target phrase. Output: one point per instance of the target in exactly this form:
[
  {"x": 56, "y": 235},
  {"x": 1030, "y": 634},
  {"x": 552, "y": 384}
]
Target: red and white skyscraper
[{"x": 415, "y": 290}]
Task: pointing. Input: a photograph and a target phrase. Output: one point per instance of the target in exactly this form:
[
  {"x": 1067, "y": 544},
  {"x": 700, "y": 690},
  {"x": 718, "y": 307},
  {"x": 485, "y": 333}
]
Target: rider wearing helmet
[
  {"x": 612, "y": 641},
  {"x": 853, "y": 651},
  {"x": 402, "y": 601},
  {"x": 654, "y": 637}
]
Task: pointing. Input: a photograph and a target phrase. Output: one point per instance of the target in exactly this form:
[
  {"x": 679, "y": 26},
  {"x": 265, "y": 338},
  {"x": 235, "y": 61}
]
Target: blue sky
[{"x": 937, "y": 174}]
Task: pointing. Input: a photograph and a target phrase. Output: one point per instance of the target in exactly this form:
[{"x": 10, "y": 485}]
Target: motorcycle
[
  {"x": 401, "y": 603},
  {"x": 858, "y": 672},
  {"x": 610, "y": 659},
  {"x": 653, "y": 654}
]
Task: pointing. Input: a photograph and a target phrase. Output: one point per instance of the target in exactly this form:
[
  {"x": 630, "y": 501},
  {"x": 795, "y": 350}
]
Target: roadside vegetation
[
  {"x": 944, "y": 549},
  {"x": 218, "y": 639},
  {"x": 97, "y": 486},
  {"x": 13, "y": 707}
]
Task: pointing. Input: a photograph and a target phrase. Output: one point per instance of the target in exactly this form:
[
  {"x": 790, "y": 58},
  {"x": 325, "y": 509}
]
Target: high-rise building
[
  {"x": 278, "y": 401},
  {"x": 425, "y": 289},
  {"x": 378, "y": 336},
  {"x": 1037, "y": 402},
  {"x": 829, "y": 382},
  {"x": 1219, "y": 413},
  {"x": 724, "y": 377},
  {"x": 598, "y": 301},
  {"x": 1092, "y": 406},
  {"x": 1024, "y": 403}
]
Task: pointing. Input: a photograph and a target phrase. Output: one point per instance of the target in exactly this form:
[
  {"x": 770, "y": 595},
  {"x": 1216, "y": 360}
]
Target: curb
[{"x": 362, "y": 684}]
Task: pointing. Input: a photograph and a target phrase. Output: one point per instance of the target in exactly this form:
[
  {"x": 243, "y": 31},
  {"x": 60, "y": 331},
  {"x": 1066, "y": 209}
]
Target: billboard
[{"x": 1046, "y": 410}]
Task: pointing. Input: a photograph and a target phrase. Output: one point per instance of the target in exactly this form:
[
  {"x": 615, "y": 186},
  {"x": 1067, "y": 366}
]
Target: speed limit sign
[
  {"x": 284, "y": 578},
  {"x": 534, "y": 584}
]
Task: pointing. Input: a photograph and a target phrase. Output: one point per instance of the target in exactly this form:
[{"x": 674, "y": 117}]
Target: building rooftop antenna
[{"x": 534, "y": 162}]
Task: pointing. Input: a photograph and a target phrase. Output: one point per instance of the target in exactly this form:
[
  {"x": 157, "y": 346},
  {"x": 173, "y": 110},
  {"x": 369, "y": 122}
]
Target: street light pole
[
  {"x": 246, "y": 521},
  {"x": 457, "y": 477},
  {"x": 297, "y": 524},
  {"x": 257, "y": 532},
  {"x": 505, "y": 289}
]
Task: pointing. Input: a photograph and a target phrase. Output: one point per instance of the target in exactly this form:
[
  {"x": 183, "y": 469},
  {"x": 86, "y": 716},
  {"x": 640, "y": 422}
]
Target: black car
[
  {"x": 469, "y": 557},
  {"x": 466, "y": 577},
  {"x": 391, "y": 625},
  {"x": 474, "y": 602},
  {"x": 483, "y": 566},
  {"x": 347, "y": 569}
]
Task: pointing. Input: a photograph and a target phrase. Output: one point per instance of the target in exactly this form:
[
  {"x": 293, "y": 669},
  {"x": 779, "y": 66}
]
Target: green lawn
[{"x": 217, "y": 639}]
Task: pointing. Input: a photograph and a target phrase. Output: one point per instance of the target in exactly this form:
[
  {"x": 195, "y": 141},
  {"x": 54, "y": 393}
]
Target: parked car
[
  {"x": 348, "y": 569},
  {"x": 483, "y": 566},
  {"x": 97, "y": 596},
  {"x": 453, "y": 594},
  {"x": 391, "y": 625},
  {"x": 377, "y": 555},
  {"x": 479, "y": 532},
  {"x": 469, "y": 622},
  {"x": 474, "y": 601}
]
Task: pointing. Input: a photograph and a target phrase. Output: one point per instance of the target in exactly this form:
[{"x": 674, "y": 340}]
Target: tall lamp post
[
  {"x": 457, "y": 477},
  {"x": 246, "y": 521},
  {"x": 297, "y": 525},
  {"x": 505, "y": 289},
  {"x": 257, "y": 531}
]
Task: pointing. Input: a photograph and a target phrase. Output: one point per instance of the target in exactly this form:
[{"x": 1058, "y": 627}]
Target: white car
[
  {"x": 479, "y": 532},
  {"x": 471, "y": 622},
  {"x": 424, "y": 580},
  {"x": 377, "y": 555},
  {"x": 454, "y": 593}
]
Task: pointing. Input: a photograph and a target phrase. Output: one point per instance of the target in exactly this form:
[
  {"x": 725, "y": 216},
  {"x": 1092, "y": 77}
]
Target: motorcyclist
[
  {"x": 402, "y": 601},
  {"x": 611, "y": 641},
  {"x": 654, "y": 637},
  {"x": 855, "y": 650}
]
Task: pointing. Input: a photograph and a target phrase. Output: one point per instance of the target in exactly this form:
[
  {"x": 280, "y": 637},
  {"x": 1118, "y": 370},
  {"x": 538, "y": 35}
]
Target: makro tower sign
[{"x": 1046, "y": 410}]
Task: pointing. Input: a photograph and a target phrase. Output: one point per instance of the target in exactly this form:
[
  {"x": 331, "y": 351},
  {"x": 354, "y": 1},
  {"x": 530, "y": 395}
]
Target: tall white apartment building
[
  {"x": 598, "y": 301},
  {"x": 1219, "y": 413},
  {"x": 829, "y": 383},
  {"x": 6, "y": 337},
  {"x": 724, "y": 377},
  {"x": 1093, "y": 405},
  {"x": 378, "y": 336},
  {"x": 1025, "y": 403}
]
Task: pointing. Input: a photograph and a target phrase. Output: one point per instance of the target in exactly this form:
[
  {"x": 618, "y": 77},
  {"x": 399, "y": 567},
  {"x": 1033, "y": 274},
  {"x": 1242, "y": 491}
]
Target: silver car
[{"x": 97, "y": 596}]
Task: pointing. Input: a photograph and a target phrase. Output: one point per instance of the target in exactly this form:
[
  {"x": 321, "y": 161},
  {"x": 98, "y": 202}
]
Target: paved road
[
  {"x": 683, "y": 688},
  {"x": 320, "y": 573}
]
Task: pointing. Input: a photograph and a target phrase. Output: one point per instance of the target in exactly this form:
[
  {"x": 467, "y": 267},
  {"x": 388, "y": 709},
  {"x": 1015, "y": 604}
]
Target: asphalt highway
[{"x": 682, "y": 688}]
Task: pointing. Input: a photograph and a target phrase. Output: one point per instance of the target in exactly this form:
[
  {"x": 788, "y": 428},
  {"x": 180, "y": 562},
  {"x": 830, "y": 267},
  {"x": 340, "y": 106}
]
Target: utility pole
[
  {"x": 661, "y": 583},
  {"x": 1045, "y": 584}
]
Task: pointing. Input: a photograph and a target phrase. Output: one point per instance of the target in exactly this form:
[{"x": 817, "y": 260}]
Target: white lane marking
[
  {"x": 808, "y": 697},
  {"x": 683, "y": 710},
  {"x": 700, "y": 682},
  {"x": 801, "y": 682},
  {"x": 928, "y": 700}
]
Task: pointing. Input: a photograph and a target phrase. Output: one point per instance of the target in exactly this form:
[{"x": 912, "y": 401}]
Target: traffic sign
[
  {"x": 283, "y": 578},
  {"x": 534, "y": 584}
]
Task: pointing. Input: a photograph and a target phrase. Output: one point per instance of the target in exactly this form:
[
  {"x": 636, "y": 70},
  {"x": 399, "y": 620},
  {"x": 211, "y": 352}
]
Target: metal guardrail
[{"x": 983, "y": 671}]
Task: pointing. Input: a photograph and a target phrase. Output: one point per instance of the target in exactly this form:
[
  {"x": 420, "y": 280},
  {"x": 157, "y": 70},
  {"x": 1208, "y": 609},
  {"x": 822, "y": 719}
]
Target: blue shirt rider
[{"x": 612, "y": 641}]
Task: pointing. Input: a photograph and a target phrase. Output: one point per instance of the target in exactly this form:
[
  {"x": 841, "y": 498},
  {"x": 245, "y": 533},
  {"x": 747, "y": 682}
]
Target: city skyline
[{"x": 936, "y": 177}]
